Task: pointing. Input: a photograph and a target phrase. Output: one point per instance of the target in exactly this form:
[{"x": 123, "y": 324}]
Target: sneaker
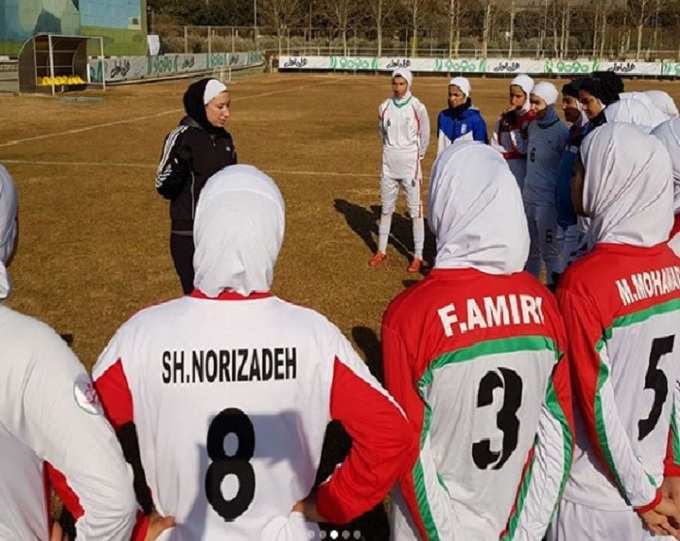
[
  {"x": 377, "y": 259},
  {"x": 415, "y": 265}
]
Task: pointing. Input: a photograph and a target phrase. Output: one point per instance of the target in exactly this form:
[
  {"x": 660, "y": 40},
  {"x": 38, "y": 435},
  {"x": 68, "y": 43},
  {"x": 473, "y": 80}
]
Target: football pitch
[{"x": 94, "y": 234}]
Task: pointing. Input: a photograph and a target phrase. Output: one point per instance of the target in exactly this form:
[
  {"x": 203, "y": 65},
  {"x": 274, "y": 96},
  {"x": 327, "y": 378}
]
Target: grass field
[{"x": 94, "y": 234}]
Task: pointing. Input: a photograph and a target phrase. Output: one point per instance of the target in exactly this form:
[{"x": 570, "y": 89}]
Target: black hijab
[
  {"x": 572, "y": 87},
  {"x": 195, "y": 108},
  {"x": 605, "y": 86}
]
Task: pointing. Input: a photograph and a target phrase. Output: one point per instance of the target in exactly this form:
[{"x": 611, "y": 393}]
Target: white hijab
[
  {"x": 238, "y": 232},
  {"x": 405, "y": 74},
  {"x": 663, "y": 102},
  {"x": 526, "y": 83},
  {"x": 669, "y": 134},
  {"x": 8, "y": 227},
  {"x": 628, "y": 186},
  {"x": 635, "y": 108},
  {"x": 476, "y": 211}
]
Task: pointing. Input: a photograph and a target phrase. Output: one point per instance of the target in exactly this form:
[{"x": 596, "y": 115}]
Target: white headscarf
[
  {"x": 463, "y": 84},
  {"x": 405, "y": 74},
  {"x": 547, "y": 92},
  {"x": 663, "y": 102},
  {"x": 669, "y": 134},
  {"x": 635, "y": 108},
  {"x": 213, "y": 89},
  {"x": 526, "y": 83},
  {"x": 8, "y": 227},
  {"x": 628, "y": 186},
  {"x": 476, "y": 211},
  {"x": 238, "y": 231}
]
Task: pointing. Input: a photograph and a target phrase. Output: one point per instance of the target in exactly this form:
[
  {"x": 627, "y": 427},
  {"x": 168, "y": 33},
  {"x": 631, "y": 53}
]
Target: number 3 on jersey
[
  {"x": 230, "y": 421},
  {"x": 506, "y": 419}
]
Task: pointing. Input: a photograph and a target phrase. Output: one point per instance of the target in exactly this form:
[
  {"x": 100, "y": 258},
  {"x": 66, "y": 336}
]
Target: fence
[
  {"x": 488, "y": 66},
  {"x": 134, "y": 68}
]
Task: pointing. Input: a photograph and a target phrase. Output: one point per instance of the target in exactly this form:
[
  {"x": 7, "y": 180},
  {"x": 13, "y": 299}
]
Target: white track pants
[
  {"x": 574, "y": 522},
  {"x": 389, "y": 192}
]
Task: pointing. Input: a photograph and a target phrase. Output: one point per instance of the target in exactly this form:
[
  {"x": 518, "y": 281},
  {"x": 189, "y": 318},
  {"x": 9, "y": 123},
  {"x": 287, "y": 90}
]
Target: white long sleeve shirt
[
  {"x": 405, "y": 132},
  {"x": 49, "y": 412}
]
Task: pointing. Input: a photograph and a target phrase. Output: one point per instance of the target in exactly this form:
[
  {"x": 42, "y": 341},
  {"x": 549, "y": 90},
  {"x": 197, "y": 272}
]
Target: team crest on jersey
[
  {"x": 463, "y": 128},
  {"x": 86, "y": 396}
]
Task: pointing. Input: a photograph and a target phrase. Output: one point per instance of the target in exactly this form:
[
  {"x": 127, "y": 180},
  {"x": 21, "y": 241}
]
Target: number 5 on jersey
[
  {"x": 230, "y": 421},
  {"x": 656, "y": 380}
]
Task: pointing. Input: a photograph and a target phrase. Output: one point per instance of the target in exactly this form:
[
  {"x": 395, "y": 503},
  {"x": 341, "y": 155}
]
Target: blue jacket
[
  {"x": 455, "y": 123},
  {"x": 566, "y": 216}
]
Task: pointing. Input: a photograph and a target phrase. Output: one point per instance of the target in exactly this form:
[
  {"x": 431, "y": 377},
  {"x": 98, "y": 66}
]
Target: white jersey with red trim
[
  {"x": 474, "y": 360},
  {"x": 50, "y": 412},
  {"x": 674, "y": 241},
  {"x": 621, "y": 306},
  {"x": 231, "y": 398},
  {"x": 405, "y": 131}
]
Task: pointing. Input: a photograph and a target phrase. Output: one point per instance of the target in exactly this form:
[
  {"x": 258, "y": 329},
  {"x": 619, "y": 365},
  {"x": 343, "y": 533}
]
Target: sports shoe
[
  {"x": 377, "y": 259},
  {"x": 415, "y": 265}
]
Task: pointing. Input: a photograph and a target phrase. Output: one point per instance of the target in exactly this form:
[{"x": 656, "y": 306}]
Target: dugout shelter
[{"x": 51, "y": 63}]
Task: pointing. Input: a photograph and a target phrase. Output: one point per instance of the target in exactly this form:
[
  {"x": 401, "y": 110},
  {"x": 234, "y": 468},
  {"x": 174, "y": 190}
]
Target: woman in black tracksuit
[{"x": 194, "y": 151}]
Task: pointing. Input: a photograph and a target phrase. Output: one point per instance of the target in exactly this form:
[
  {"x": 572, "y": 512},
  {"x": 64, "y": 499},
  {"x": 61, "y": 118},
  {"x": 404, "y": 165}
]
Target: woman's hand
[
  {"x": 308, "y": 508},
  {"x": 157, "y": 525}
]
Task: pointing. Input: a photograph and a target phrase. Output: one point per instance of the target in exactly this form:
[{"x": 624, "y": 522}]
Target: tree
[
  {"x": 565, "y": 27},
  {"x": 279, "y": 14},
  {"x": 487, "y": 27},
  {"x": 638, "y": 10},
  {"x": 544, "y": 29},
  {"x": 340, "y": 12},
  {"x": 415, "y": 5},
  {"x": 603, "y": 29},
  {"x": 454, "y": 27},
  {"x": 380, "y": 10},
  {"x": 512, "y": 27}
]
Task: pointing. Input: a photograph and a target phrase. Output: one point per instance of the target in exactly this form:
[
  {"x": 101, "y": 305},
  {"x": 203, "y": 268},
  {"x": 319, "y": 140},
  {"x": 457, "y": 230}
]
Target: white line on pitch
[
  {"x": 152, "y": 166},
  {"x": 146, "y": 117}
]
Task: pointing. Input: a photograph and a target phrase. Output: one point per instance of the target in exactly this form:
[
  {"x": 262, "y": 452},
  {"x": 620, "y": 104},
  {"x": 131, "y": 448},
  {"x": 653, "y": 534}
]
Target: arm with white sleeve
[
  {"x": 426, "y": 498},
  {"x": 424, "y": 128},
  {"x": 382, "y": 108},
  {"x": 548, "y": 463},
  {"x": 595, "y": 395},
  {"x": 62, "y": 421}
]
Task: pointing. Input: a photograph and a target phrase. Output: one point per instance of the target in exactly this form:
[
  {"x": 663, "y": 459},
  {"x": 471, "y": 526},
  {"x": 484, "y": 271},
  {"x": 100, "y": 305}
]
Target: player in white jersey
[
  {"x": 663, "y": 102},
  {"x": 641, "y": 113},
  {"x": 621, "y": 306},
  {"x": 669, "y": 134},
  {"x": 482, "y": 379},
  {"x": 52, "y": 427},
  {"x": 231, "y": 388},
  {"x": 548, "y": 137},
  {"x": 405, "y": 130}
]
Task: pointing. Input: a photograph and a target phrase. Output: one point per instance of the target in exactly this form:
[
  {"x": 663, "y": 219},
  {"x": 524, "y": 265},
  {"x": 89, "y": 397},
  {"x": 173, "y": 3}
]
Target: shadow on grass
[{"x": 364, "y": 222}]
